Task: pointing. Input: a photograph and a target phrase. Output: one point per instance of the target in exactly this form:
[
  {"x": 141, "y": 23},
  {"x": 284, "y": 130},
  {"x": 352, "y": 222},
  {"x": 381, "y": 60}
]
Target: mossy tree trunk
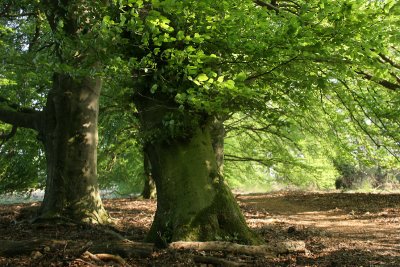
[{"x": 193, "y": 202}]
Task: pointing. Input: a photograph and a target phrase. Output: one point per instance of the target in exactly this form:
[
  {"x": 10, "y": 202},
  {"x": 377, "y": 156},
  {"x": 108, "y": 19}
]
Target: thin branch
[
  {"x": 294, "y": 3},
  {"x": 228, "y": 157},
  {"x": 260, "y": 129},
  {"x": 382, "y": 125},
  {"x": 252, "y": 78},
  {"x": 45, "y": 46},
  {"x": 36, "y": 35},
  {"x": 267, "y": 5},
  {"x": 359, "y": 123}
]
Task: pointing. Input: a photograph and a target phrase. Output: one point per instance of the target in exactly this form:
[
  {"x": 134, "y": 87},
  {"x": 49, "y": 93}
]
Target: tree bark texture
[
  {"x": 70, "y": 139},
  {"x": 68, "y": 129},
  {"x": 71, "y": 116},
  {"x": 193, "y": 202},
  {"x": 68, "y": 124}
]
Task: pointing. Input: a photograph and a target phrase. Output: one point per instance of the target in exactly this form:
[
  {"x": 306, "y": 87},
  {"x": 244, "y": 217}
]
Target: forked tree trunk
[
  {"x": 70, "y": 139},
  {"x": 193, "y": 202}
]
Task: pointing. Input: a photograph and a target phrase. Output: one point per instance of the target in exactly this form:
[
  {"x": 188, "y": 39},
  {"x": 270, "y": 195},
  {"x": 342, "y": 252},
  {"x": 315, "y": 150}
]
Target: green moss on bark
[{"x": 194, "y": 204}]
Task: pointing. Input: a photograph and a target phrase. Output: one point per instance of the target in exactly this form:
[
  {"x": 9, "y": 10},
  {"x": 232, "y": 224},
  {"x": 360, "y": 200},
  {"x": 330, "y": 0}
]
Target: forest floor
[{"x": 338, "y": 229}]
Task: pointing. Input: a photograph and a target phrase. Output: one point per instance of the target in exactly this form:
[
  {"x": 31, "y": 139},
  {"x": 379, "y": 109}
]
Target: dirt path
[{"x": 338, "y": 230}]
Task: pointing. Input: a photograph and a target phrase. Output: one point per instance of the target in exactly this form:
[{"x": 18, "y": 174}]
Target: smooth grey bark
[
  {"x": 68, "y": 129},
  {"x": 68, "y": 124},
  {"x": 70, "y": 138},
  {"x": 71, "y": 117}
]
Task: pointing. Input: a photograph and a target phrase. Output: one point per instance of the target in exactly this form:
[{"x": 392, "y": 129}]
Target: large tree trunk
[
  {"x": 193, "y": 202},
  {"x": 71, "y": 115},
  {"x": 68, "y": 128},
  {"x": 68, "y": 124},
  {"x": 70, "y": 138}
]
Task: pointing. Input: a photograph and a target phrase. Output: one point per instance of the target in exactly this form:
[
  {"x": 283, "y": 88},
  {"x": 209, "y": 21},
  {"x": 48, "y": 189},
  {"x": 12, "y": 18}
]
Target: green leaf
[
  {"x": 202, "y": 77},
  {"x": 230, "y": 84},
  {"x": 241, "y": 76},
  {"x": 180, "y": 35},
  {"x": 154, "y": 88}
]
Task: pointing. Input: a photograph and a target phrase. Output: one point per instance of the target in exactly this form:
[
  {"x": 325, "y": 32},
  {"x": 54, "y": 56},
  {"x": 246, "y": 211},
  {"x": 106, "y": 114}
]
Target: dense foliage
[{"x": 301, "y": 85}]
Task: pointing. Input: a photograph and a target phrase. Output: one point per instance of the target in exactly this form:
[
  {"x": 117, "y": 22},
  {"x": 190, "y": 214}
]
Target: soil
[{"x": 339, "y": 229}]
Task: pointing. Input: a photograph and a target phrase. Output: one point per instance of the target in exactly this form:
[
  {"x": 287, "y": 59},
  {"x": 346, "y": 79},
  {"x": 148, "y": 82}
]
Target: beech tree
[
  {"x": 191, "y": 62},
  {"x": 67, "y": 123},
  {"x": 190, "y": 65}
]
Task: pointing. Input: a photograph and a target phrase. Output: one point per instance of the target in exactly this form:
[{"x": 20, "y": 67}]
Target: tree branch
[
  {"x": 353, "y": 117},
  {"x": 385, "y": 83},
  {"x": 267, "y": 5},
  {"x": 254, "y": 77},
  {"x": 389, "y": 60},
  {"x": 18, "y": 116},
  {"x": 271, "y": 249},
  {"x": 229, "y": 157},
  {"x": 36, "y": 35},
  {"x": 21, "y": 119}
]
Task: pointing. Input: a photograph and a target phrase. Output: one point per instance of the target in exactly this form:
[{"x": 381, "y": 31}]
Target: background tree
[{"x": 66, "y": 121}]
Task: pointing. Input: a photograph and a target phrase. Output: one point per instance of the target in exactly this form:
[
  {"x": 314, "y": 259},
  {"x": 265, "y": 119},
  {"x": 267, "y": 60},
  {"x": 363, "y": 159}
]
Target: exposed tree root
[
  {"x": 86, "y": 263},
  {"x": 123, "y": 248},
  {"x": 10, "y": 248},
  {"x": 103, "y": 257},
  {"x": 56, "y": 219},
  {"x": 119, "y": 249},
  {"x": 267, "y": 250}
]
